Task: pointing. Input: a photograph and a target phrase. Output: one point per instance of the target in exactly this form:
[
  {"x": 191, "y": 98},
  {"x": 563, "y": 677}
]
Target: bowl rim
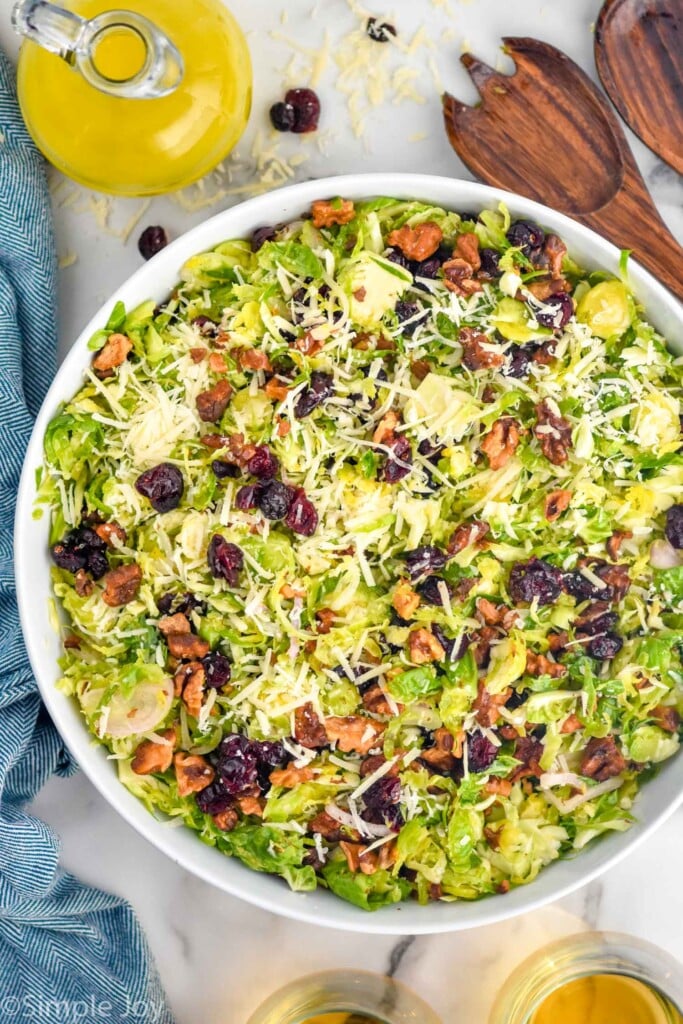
[{"x": 228, "y": 874}]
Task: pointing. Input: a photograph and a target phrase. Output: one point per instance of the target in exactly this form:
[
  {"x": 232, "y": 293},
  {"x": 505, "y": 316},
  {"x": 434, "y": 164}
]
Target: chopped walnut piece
[
  {"x": 614, "y": 543},
  {"x": 554, "y": 251},
  {"x": 353, "y": 852},
  {"x": 372, "y": 762},
  {"x": 539, "y": 665},
  {"x": 424, "y": 647},
  {"x": 602, "y": 759},
  {"x": 197, "y": 355},
  {"x": 420, "y": 368},
  {"x": 183, "y": 674},
  {"x": 557, "y": 641},
  {"x": 501, "y": 442},
  {"x": 554, "y": 433},
  {"x": 112, "y": 534},
  {"x": 529, "y": 751},
  {"x": 121, "y": 585},
  {"x": 481, "y": 644},
  {"x": 405, "y": 600},
  {"x": 309, "y": 731},
  {"x": 212, "y": 404},
  {"x": 170, "y": 624},
  {"x": 572, "y": 723},
  {"x": 326, "y": 212},
  {"x": 419, "y": 242},
  {"x": 289, "y": 592},
  {"x": 83, "y": 585},
  {"x": 501, "y": 787},
  {"x": 187, "y": 645},
  {"x": 308, "y": 344},
  {"x": 226, "y": 820},
  {"x": 113, "y": 354},
  {"x": 152, "y": 757},
  {"x": 353, "y": 733},
  {"x": 615, "y": 576},
  {"x": 556, "y": 503},
  {"x": 467, "y": 248},
  {"x": 254, "y": 359},
  {"x": 217, "y": 363},
  {"x": 329, "y": 828},
  {"x": 543, "y": 288},
  {"x": 479, "y": 352},
  {"x": 276, "y": 390},
  {"x": 193, "y": 773},
  {"x": 375, "y": 701},
  {"x": 325, "y": 619},
  {"x": 457, "y": 276},
  {"x": 251, "y": 805},
  {"x": 666, "y": 717},
  {"x": 193, "y": 692},
  {"x": 490, "y": 614},
  {"x": 384, "y": 431},
  {"x": 487, "y": 705},
  {"x": 442, "y": 756},
  {"x": 466, "y": 534},
  {"x": 544, "y": 354},
  {"x": 291, "y": 777}
]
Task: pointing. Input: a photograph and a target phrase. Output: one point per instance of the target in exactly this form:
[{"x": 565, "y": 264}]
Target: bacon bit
[
  {"x": 211, "y": 404},
  {"x": 251, "y": 805},
  {"x": 353, "y": 733},
  {"x": 112, "y": 354},
  {"x": 405, "y": 600},
  {"x": 375, "y": 701},
  {"x": 602, "y": 759},
  {"x": 475, "y": 355},
  {"x": 539, "y": 665},
  {"x": 572, "y": 723},
  {"x": 112, "y": 534},
  {"x": 226, "y": 820},
  {"x": 289, "y": 778},
  {"x": 254, "y": 359},
  {"x": 276, "y": 390},
  {"x": 529, "y": 751},
  {"x": 289, "y": 592},
  {"x": 442, "y": 756},
  {"x": 217, "y": 363},
  {"x": 417, "y": 243},
  {"x": 121, "y": 585},
  {"x": 666, "y": 717},
  {"x": 198, "y": 354},
  {"x": 151, "y": 758},
  {"x": 193, "y": 773},
  {"x": 501, "y": 787},
  {"x": 555, "y": 504},
  {"x": 83, "y": 585},
  {"x": 307, "y": 344},
  {"x": 187, "y": 645},
  {"x": 308, "y": 729},
  {"x": 384, "y": 431},
  {"x": 501, "y": 442},
  {"x": 487, "y": 705},
  {"x": 173, "y": 624},
  {"x": 421, "y": 368},
  {"x": 614, "y": 543},
  {"x": 466, "y": 534},
  {"x": 193, "y": 692},
  {"x": 325, "y": 618},
  {"x": 326, "y": 212},
  {"x": 556, "y": 443},
  {"x": 283, "y": 427},
  {"x": 424, "y": 647}
]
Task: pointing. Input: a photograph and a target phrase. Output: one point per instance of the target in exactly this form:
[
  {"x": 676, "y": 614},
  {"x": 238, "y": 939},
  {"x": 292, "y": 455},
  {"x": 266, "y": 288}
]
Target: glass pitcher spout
[{"x": 153, "y": 66}]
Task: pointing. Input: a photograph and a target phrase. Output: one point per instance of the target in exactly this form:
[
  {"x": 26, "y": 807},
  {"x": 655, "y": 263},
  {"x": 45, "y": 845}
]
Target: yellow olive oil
[{"x": 606, "y": 999}]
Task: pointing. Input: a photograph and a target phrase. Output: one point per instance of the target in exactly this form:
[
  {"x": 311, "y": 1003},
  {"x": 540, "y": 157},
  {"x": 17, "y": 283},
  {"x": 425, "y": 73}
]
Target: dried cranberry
[
  {"x": 519, "y": 360},
  {"x": 392, "y": 817},
  {"x": 406, "y": 311},
  {"x": 261, "y": 236},
  {"x": 397, "y": 257},
  {"x": 272, "y": 754},
  {"x": 430, "y": 590},
  {"x": 237, "y": 763},
  {"x": 673, "y": 529},
  {"x": 400, "y": 460},
  {"x": 379, "y": 31},
  {"x": 151, "y": 241},
  {"x": 424, "y": 560},
  {"x": 97, "y": 563},
  {"x": 275, "y": 499},
  {"x": 560, "y": 312},
  {"x": 481, "y": 753},
  {"x": 320, "y": 388},
  {"x": 81, "y": 548},
  {"x": 170, "y": 604},
  {"x": 428, "y": 268},
  {"x": 207, "y": 328},
  {"x": 214, "y": 798},
  {"x": 383, "y": 793},
  {"x": 490, "y": 263},
  {"x": 605, "y": 647},
  {"x": 263, "y": 463},
  {"x": 222, "y": 470},
  {"x": 432, "y": 452},
  {"x": 306, "y": 109},
  {"x": 217, "y": 669},
  {"x": 282, "y": 117},
  {"x": 535, "y": 579},
  {"x": 579, "y": 587},
  {"x": 526, "y": 235},
  {"x": 600, "y": 624},
  {"x": 226, "y": 561},
  {"x": 69, "y": 558},
  {"x": 163, "y": 485},
  {"x": 247, "y": 497},
  {"x": 302, "y": 516},
  {"x": 454, "y": 648},
  {"x": 516, "y": 699}
]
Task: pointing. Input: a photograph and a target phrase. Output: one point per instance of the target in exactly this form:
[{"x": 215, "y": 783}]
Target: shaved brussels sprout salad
[{"x": 368, "y": 544}]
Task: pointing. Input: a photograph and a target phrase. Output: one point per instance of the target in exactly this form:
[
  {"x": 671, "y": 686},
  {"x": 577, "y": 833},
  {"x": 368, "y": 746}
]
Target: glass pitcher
[{"x": 137, "y": 101}]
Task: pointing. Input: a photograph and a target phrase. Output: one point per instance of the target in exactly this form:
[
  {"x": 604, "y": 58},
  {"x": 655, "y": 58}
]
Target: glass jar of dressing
[{"x": 595, "y": 978}]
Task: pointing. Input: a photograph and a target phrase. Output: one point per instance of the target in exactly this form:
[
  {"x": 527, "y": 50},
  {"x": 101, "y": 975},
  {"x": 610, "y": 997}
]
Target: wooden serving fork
[{"x": 548, "y": 132}]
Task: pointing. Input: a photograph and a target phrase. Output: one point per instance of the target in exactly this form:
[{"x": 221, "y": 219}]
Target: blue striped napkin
[{"x": 67, "y": 952}]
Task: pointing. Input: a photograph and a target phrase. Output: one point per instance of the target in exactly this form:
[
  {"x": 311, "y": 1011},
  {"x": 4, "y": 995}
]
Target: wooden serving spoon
[
  {"x": 546, "y": 131},
  {"x": 639, "y": 56}
]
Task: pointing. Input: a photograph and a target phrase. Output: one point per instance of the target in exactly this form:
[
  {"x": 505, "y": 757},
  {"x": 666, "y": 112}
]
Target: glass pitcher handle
[{"x": 75, "y": 40}]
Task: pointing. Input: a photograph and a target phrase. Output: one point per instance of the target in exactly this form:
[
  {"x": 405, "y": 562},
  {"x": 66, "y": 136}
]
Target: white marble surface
[{"x": 217, "y": 956}]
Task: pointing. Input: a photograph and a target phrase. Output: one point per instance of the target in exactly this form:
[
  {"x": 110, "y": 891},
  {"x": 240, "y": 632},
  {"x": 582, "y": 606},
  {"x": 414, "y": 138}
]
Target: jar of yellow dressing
[{"x": 137, "y": 101}]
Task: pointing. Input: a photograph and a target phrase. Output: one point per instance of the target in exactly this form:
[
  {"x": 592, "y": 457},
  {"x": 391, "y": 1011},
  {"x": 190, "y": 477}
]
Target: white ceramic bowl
[{"x": 156, "y": 279}]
